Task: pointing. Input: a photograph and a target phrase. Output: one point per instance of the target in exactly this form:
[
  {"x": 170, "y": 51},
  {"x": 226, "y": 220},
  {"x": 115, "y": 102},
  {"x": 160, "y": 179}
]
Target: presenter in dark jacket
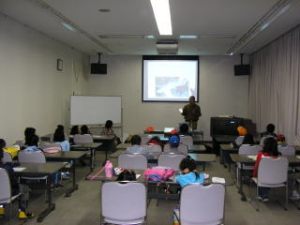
[{"x": 191, "y": 113}]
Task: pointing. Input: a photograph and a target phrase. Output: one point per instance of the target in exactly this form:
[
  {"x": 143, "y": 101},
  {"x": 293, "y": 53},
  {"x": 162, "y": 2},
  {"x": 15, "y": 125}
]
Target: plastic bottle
[{"x": 108, "y": 169}]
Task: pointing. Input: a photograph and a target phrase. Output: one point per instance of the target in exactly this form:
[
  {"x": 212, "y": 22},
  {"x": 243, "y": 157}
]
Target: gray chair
[
  {"x": 132, "y": 161},
  {"x": 170, "y": 160},
  {"x": 272, "y": 173},
  {"x": 6, "y": 157},
  {"x": 186, "y": 140},
  {"x": 6, "y": 197},
  {"x": 287, "y": 150},
  {"x": 181, "y": 149},
  {"x": 202, "y": 205},
  {"x": 31, "y": 157},
  {"x": 123, "y": 203},
  {"x": 246, "y": 150},
  {"x": 82, "y": 139}
]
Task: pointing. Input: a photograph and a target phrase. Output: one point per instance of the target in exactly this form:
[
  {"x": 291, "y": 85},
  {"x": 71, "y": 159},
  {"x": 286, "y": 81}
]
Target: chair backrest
[
  {"x": 153, "y": 151},
  {"x": 145, "y": 140},
  {"x": 5, "y": 189},
  {"x": 170, "y": 160},
  {"x": 6, "y": 157},
  {"x": 249, "y": 149},
  {"x": 31, "y": 157},
  {"x": 186, "y": 140},
  {"x": 272, "y": 171},
  {"x": 82, "y": 139},
  {"x": 202, "y": 204},
  {"x": 132, "y": 161},
  {"x": 287, "y": 150},
  {"x": 123, "y": 203},
  {"x": 239, "y": 140},
  {"x": 181, "y": 148}
]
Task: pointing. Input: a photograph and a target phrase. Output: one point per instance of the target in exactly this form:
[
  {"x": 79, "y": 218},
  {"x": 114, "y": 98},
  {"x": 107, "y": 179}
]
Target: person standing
[{"x": 191, "y": 113}]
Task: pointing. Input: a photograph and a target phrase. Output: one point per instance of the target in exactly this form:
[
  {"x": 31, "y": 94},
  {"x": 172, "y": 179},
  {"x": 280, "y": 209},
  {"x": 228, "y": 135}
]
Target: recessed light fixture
[
  {"x": 162, "y": 14},
  {"x": 149, "y": 37},
  {"x": 104, "y": 10},
  {"x": 68, "y": 26},
  {"x": 188, "y": 37}
]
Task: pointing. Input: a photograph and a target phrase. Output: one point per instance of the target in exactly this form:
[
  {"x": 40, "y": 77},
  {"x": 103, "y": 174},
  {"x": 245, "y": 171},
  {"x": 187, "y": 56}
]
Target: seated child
[
  {"x": 188, "y": 174},
  {"x": 136, "y": 147},
  {"x": 15, "y": 186}
]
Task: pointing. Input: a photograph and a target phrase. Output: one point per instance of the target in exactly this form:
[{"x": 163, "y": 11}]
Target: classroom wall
[
  {"x": 32, "y": 92},
  {"x": 221, "y": 93}
]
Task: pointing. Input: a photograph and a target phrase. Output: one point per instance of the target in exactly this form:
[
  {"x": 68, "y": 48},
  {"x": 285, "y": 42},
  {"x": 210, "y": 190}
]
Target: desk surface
[
  {"x": 65, "y": 156},
  {"x": 86, "y": 146},
  {"x": 245, "y": 159},
  {"x": 203, "y": 157},
  {"x": 40, "y": 169}
]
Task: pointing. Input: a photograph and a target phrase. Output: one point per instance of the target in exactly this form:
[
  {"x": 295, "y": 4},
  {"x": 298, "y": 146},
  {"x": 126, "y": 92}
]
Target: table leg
[
  {"x": 51, "y": 206},
  {"x": 74, "y": 186},
  {"x": 243, "y": 197}
]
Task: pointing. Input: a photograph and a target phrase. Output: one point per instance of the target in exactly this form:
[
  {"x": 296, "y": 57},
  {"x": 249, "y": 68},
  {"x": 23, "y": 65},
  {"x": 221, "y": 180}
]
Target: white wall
[
  {"x": 32, "y": 92},
  {"x": 220, "y": 93}
]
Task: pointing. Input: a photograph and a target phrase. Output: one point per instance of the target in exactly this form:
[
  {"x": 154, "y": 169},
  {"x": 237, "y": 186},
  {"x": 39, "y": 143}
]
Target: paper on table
[
  {"x": 19, "y": 169},
  {"x": 253, "y": 157},
  {"x": 206, "y": 175},
  {"x": 180, "y": 110},
  {"x": 137, "y": 176},
  {"x": 219, "y": 180}
]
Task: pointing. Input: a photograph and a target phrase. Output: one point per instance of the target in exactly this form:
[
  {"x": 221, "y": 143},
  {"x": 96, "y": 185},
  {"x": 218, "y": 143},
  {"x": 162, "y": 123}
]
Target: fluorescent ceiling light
[
  {"x": 264, "y": 22},
  {"x": 161, "y": 9},
  {"x": 68, "y": 27},
  {"x": 188, "y": 36},
  {"x": 149, "y": 37}
]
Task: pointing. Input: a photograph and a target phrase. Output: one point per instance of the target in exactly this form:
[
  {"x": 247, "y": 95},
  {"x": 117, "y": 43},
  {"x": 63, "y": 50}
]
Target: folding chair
[
  {"x": 202, "y": 205},
  {"x": 6, "y": 197},
  {"x": 132, "y": 161},
  {"x": 182, "y": 148},
  {"x": 6, "y": 157},
  {"x": 272, "y": 173},
  {"x": 170, "y": 160},
  {"x": 123, "y": 203}
]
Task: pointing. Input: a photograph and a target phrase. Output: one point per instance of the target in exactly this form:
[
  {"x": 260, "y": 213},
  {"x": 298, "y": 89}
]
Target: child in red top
[{"x": 269, "y": 150}]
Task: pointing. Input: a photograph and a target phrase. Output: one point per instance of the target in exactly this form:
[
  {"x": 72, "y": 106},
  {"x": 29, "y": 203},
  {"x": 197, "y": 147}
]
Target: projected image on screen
[{"x": 167, "y": 79}]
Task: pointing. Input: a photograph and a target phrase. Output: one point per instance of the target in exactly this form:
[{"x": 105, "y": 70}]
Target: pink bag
[
  {"x": 52, "y": 150},
  {"x": 158, "y": 173}
]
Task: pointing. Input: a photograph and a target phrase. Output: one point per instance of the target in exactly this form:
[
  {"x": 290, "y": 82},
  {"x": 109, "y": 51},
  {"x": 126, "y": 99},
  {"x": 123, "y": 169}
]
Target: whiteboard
[{"x": 95, "y": 109}]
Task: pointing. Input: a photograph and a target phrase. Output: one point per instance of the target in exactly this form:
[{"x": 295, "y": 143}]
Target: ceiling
[{"x": 219, "y": 24}]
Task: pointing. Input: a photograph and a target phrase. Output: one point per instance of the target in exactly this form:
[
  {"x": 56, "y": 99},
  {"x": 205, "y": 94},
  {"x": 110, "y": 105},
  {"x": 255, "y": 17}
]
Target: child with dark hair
[
  {"x": 248, "y": 139},
  {"x": 127, "y": 175},
  {"x": 154, "y": 141},
  {"x": 136, "y": 147},
  {"x": 189, "y": 175},
  {"x": 108, "y": 128},
  {"x": 59, "y": 137},
  {"x": 84, "y": 129},
  {"x": 74, "y": 130},
  {"x": 28, "y": 133},
  {"x": 33, "y": 144},
  {"x": 15, "y": 187}
]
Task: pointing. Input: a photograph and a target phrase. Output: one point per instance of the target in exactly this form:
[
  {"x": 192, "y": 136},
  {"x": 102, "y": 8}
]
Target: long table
[
  {"x": 294, "y": 161},
  {"x": 70, "y": 157},
  {"x": 39, "y": 170},
  {"x": 89, "y": 147}
]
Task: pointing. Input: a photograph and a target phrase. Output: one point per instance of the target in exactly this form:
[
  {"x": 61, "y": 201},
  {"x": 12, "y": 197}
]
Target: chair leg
[{"x": 286, "y": 197}]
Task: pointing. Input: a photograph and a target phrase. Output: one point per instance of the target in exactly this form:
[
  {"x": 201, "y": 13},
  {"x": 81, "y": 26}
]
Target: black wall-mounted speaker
[
  {"x": 242, "y": 69},
  {"x": 97, "y": 68}
]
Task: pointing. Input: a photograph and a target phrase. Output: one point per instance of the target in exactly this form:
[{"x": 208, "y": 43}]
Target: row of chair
[
  {"x": 140, "y": 162},
  {"x": 125, "y": 203}
]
